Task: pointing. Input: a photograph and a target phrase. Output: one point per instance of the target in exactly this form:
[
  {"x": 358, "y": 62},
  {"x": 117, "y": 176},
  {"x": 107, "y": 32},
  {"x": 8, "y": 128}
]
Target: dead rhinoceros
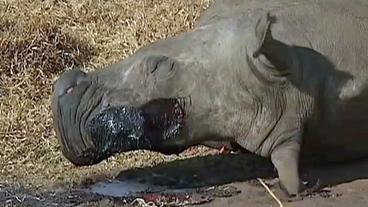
[{"x": 285, "y": 79}]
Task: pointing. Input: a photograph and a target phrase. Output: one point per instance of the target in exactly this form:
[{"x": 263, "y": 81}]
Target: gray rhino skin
[{"x": 285, "y": 79}]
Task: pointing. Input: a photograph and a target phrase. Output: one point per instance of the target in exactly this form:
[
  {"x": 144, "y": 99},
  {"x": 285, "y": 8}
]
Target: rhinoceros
[{"x": 283, "y": 79}]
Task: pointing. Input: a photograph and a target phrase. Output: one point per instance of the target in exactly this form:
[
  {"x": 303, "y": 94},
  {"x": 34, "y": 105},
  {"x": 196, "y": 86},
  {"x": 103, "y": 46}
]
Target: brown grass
[{"x": 41, "y": 38}]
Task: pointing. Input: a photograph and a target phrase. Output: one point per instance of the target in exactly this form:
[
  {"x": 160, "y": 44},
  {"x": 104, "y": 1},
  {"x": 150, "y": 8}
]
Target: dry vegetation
[{"x": 41, "y": 38}]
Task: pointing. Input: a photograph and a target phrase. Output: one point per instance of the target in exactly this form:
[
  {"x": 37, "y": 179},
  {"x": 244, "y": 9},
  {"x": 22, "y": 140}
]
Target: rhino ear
[
  {"x": 273, "y": 53},
  {"x": 262, "y": 32}
]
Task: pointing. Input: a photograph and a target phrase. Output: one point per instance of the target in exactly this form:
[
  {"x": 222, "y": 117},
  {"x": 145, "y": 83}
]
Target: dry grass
[{"x": 41, "y": 38}]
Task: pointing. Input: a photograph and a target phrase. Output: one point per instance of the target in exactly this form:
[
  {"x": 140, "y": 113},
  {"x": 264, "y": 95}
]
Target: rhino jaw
[{"x": 153, "y": 126}]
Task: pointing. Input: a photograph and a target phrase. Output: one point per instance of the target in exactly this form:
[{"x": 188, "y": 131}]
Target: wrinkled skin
[{"x": 284, "y": 79}]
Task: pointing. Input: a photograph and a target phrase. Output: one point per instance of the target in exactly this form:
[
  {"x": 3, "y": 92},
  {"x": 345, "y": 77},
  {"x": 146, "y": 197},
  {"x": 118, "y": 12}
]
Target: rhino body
[{"x": 285, "y": 79}]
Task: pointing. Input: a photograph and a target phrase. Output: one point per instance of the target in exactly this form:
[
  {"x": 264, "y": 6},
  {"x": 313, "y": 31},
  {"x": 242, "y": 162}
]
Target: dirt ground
[
  {"x": 214, "y": 180},
  {"x": 39, "y": 39}
]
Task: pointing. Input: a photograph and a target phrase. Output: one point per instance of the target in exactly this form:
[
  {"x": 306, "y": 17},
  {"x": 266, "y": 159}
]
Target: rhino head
[
  {"x": 92, "y": 123},
  {"x": 138, "y": 103}
]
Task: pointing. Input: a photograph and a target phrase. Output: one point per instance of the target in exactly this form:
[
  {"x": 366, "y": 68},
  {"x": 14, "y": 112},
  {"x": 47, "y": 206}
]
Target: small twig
[
  {"x": 143, "y": 203},
  {"x": 18, "y": 199},
  {"x": 270, "y": 192}
]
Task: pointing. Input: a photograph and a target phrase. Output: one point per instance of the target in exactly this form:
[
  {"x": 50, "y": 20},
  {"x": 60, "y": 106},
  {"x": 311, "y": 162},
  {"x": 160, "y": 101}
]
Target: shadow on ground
[
  {"x": 203, "y": 171},
  {"x": 226, "y": 169}
]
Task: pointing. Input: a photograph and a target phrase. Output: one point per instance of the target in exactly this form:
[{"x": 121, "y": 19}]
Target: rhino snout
[{"x": 156, "y": 125}]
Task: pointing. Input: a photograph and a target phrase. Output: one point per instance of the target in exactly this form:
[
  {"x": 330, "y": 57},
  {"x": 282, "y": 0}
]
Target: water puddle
[{"x": 117, "y": 188}]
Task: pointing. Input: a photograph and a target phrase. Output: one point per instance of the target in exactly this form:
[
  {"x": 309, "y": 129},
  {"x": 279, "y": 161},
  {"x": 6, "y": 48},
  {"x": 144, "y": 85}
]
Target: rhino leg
[{"x": 286, "y": 160}]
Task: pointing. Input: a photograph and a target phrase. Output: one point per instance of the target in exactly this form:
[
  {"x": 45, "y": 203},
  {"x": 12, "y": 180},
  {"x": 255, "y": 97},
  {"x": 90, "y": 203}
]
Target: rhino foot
[
  {"x": 286, "y": 160},
  {"x": 284, "y": 196},
  {"x": 290, "y": 187},
  {"x": 307, "y": 192}
]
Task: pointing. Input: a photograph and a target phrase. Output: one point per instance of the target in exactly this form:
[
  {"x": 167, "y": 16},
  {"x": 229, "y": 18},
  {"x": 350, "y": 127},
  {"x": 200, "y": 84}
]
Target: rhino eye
[
  {"x": 69, "y": 90},
  {"x": 161, "y": 67}
]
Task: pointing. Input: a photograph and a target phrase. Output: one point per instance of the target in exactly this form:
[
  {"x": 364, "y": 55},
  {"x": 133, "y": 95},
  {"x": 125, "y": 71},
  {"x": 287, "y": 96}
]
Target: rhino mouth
[{"x": 156, "y": 125}]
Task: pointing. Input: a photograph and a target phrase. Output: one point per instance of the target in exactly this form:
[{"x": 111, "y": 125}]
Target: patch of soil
[{"x": 227, "y": 180}]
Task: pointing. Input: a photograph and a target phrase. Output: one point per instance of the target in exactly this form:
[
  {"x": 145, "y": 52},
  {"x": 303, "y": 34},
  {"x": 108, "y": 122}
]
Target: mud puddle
[{"x": 131, "y": 188}]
